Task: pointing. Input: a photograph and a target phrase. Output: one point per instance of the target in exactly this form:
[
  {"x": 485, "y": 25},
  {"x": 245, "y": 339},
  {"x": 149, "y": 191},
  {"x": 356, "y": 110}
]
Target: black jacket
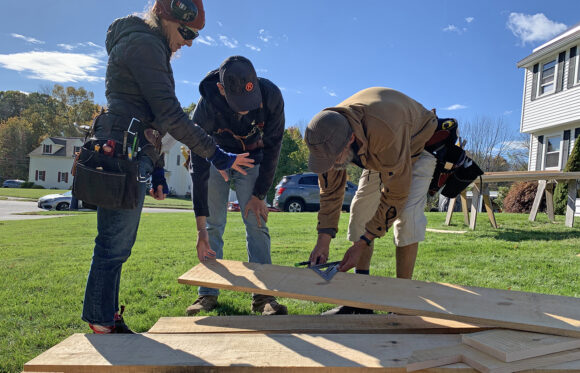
[
  {"x": 140, "y": 84},
  {"x": 264, "y": 125}
]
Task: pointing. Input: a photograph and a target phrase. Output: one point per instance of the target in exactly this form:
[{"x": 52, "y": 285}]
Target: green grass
[
  {"x": 35, "y": 194},
  {"x": 44, "y": 265}
]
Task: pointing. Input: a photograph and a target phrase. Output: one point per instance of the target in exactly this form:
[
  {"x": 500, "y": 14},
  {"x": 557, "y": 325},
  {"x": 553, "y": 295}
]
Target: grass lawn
[
  {"x": 35, "y": 194},
  {"x": 44, "y": 265}
]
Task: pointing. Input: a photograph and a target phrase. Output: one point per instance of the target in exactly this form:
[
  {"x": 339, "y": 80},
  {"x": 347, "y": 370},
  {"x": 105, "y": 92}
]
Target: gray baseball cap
[{"x": 326, "y": 137}]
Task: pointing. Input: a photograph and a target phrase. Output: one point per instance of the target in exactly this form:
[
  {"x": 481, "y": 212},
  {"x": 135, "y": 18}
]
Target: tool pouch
[{"x": 105, "y": 181}]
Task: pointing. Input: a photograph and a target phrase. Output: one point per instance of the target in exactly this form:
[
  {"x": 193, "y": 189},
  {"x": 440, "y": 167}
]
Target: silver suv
[{"x": 300, "y": 192}]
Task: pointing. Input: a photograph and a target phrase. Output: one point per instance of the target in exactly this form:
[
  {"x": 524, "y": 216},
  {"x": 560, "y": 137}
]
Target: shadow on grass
[{"x": 517, "y": 235}]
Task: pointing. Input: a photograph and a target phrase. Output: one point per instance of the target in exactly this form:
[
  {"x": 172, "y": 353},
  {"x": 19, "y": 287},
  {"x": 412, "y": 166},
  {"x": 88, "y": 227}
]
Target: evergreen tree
[{"x": 561, "y": 192}]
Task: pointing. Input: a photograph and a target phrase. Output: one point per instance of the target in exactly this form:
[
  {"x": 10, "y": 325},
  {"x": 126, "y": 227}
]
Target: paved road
[{"x": 8, "y": 209}]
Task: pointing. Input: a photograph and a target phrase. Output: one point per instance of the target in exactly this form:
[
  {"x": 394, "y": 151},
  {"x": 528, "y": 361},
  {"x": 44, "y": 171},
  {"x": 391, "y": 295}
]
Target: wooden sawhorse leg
[
  {"x": 571, "y": 203},
  {"x": 537, "y": 200}
]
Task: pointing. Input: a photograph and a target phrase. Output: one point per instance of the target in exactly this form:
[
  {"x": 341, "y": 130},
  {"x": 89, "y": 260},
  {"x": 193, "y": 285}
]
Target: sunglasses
[{"x": 187, "y": 33}]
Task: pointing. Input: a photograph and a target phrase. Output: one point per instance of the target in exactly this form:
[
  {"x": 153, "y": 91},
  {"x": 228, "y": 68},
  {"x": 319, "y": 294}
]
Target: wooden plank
[
  {"x": 464, "y": 207},
  {"x": 537, "y": 200},
  {"x": 489, "y": 207},
  {"x": 482, "y": 362},
  {"x": 550, "y": 202},
  {"x": 512, "y": 345},
  {"x": 491, "y": 177},
  {"x": 245, "y": 353},
  {"x": 450, "y": 209},
  {"x": 344, "y": 324},
  {"x": 504, "y": 308},
  {"x": 444, "y": 231},
  {"x": 160, "y": 353},
  {"x": 571, "y": 203},
  {"x": 474, "y": 204}
]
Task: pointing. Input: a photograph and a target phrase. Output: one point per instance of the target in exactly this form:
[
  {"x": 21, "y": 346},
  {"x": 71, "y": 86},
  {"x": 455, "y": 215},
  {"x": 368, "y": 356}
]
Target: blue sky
[{"x": 458, "y": 56}]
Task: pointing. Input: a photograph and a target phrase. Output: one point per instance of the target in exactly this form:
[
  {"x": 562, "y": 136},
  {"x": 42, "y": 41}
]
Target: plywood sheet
[
  {"x": 344, "y": 324},
  {"x": 426, "y": 359},
  {"x": 511, "y": 345},
  {"x": 511, "y": 309}
]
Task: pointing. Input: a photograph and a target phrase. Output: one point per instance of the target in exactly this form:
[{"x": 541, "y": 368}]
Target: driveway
[{"x": 10, "y": 207}]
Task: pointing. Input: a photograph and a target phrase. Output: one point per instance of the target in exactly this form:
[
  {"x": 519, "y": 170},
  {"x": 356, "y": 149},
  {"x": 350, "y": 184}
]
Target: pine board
[
  {"x": 161, "y": 353},
  {"x": 502, "y": 308},
  {"x": 372, "y": 324},
  {"x": 511, "y": 345},
  {"x": 426, "y": 359}
]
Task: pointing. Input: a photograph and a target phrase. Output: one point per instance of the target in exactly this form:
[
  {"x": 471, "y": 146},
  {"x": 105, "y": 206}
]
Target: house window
[
  {"x": 41, "y": 175},
  {"x": 63, "y": 176},
  {"x": 47, "y": 149},
  {"x": 547, "y": 77},
  {"x": 552, "y": 158},
  {"x": 178, "y": 159},
  {"x": 76, "y": 150}
]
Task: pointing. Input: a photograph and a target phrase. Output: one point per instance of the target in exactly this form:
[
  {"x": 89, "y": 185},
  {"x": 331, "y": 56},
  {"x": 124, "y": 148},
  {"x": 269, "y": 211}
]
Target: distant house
[
  {"x": 551, "y": 100},
  {"x": 51, "y": 163}
]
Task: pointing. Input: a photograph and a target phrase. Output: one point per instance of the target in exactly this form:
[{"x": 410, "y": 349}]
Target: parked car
[
  {"x": 61, "y": 202},
  {"x": 14, "y": 183},
  {"x": 300, "y": 192},
  {"x": 235, "y": 206}
]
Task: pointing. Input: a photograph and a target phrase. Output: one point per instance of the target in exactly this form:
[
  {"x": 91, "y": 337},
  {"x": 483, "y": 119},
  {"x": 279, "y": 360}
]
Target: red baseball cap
[{"x": 187, "y": 12}]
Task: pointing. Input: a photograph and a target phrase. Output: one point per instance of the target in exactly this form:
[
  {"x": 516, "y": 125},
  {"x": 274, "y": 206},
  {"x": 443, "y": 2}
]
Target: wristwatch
[
  {"x": 260, "y": 196},
  {"x": 366, "y": 239}
]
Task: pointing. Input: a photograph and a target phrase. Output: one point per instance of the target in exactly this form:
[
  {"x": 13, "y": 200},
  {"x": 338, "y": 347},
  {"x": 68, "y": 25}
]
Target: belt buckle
[{"x": 131, "y": 124}]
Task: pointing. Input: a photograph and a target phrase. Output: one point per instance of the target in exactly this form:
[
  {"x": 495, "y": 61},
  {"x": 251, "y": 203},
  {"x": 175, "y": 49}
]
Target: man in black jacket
[{"x": 243, "y": 113}]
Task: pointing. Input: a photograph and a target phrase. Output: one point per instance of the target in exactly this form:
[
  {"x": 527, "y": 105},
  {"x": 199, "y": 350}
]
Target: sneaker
[
  {"x": 202, "y": 303},
  {"x": 120, "y": 326},
  {"x": 348, "y": 310},
  {"x": 267, "y": 305}
]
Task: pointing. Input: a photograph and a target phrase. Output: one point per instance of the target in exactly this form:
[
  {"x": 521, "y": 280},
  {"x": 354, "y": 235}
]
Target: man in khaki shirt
[{"x": 384, "y": 132}]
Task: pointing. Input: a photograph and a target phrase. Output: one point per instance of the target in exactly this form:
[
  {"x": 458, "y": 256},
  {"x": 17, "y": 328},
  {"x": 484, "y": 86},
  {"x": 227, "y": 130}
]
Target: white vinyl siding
[{"x": 550, "y": 110}]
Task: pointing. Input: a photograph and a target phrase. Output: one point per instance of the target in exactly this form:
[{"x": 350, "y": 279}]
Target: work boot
[
  {"x": 347, "y": 310},
  {"x": 267, "y": 305},
  {"x": 202, "y": 303}
]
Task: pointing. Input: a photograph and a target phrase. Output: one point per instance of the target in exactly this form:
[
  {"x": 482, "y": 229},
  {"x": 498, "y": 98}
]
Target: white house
[
  {"x": 51, "y": 163},
  {"x": 551, "y": 100}
]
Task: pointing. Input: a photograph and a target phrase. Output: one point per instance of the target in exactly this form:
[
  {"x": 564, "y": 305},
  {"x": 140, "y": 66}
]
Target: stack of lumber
[{"x": 428, "y": 335}]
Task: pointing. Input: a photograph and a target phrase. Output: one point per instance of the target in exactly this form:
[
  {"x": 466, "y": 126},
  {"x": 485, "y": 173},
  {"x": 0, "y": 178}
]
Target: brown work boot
[
  {"x": 267, "y": 305},
  {"x": 202, "y": 303}
]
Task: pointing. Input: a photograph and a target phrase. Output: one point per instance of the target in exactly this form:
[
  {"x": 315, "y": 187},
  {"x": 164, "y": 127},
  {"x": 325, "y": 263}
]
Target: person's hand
[
  {"x": 259, "y": 208},
  {"x": 319, "y": 254},
  {"x": 158, "y": 193},
  {"x": 352, "y": 256},
  {"x": 242, "y": 160},
  {"x": 204, "y": 251}
]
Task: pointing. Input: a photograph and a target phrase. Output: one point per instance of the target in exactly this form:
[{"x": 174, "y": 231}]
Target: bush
[
  {"x": 27, "y": 184},
  {"x": 520, "y": 197}
]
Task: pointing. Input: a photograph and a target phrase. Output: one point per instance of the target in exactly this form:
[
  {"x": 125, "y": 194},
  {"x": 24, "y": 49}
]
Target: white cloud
[
  {"x": 264, "y": 36},
  {"x": 27, "y": 39},
  {"x": 188, "y": 82},
  {"x": 228, "y": 42},
  {"x": 531, "y": 28},
  {"x": 220, "y": 24},
  {"x": 291, "y": 90},
  {"x": 508, "y": 112},
  {"x": 253, "y": 47},
  {"x": 207, "y": 40},
  {"x": 452, "y": 28},
  {"x": 67, "y": 47},
  {"x": 329, "y": 91},
  {"x": 55, "y": 66},
  {"x": 262, "y": 71},
  {"x": 469, "y": 19},
  {"x": 455, "y": 107}
]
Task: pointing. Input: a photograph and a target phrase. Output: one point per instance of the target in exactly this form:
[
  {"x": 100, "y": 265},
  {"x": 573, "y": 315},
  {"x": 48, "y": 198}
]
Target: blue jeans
[
  {"x": 257, "y": 238},
  {"x": 117, "y": 230}
]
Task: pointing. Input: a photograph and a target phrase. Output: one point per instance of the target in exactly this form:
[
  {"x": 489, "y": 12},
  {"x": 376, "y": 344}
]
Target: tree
[
  {"x": 76, "y": 108},
  {"x": 12, "y": 103},
  {"x": 488, "y": 142},
  {"x": 189, "y": 109},
  {"x": 16, "y": 141},
  {"x": 293, "y": 157},
  {"x": 561, "y": 192}
]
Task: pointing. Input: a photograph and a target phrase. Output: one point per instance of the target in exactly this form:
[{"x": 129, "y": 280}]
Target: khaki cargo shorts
[{"x": 410, "y": 226}]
